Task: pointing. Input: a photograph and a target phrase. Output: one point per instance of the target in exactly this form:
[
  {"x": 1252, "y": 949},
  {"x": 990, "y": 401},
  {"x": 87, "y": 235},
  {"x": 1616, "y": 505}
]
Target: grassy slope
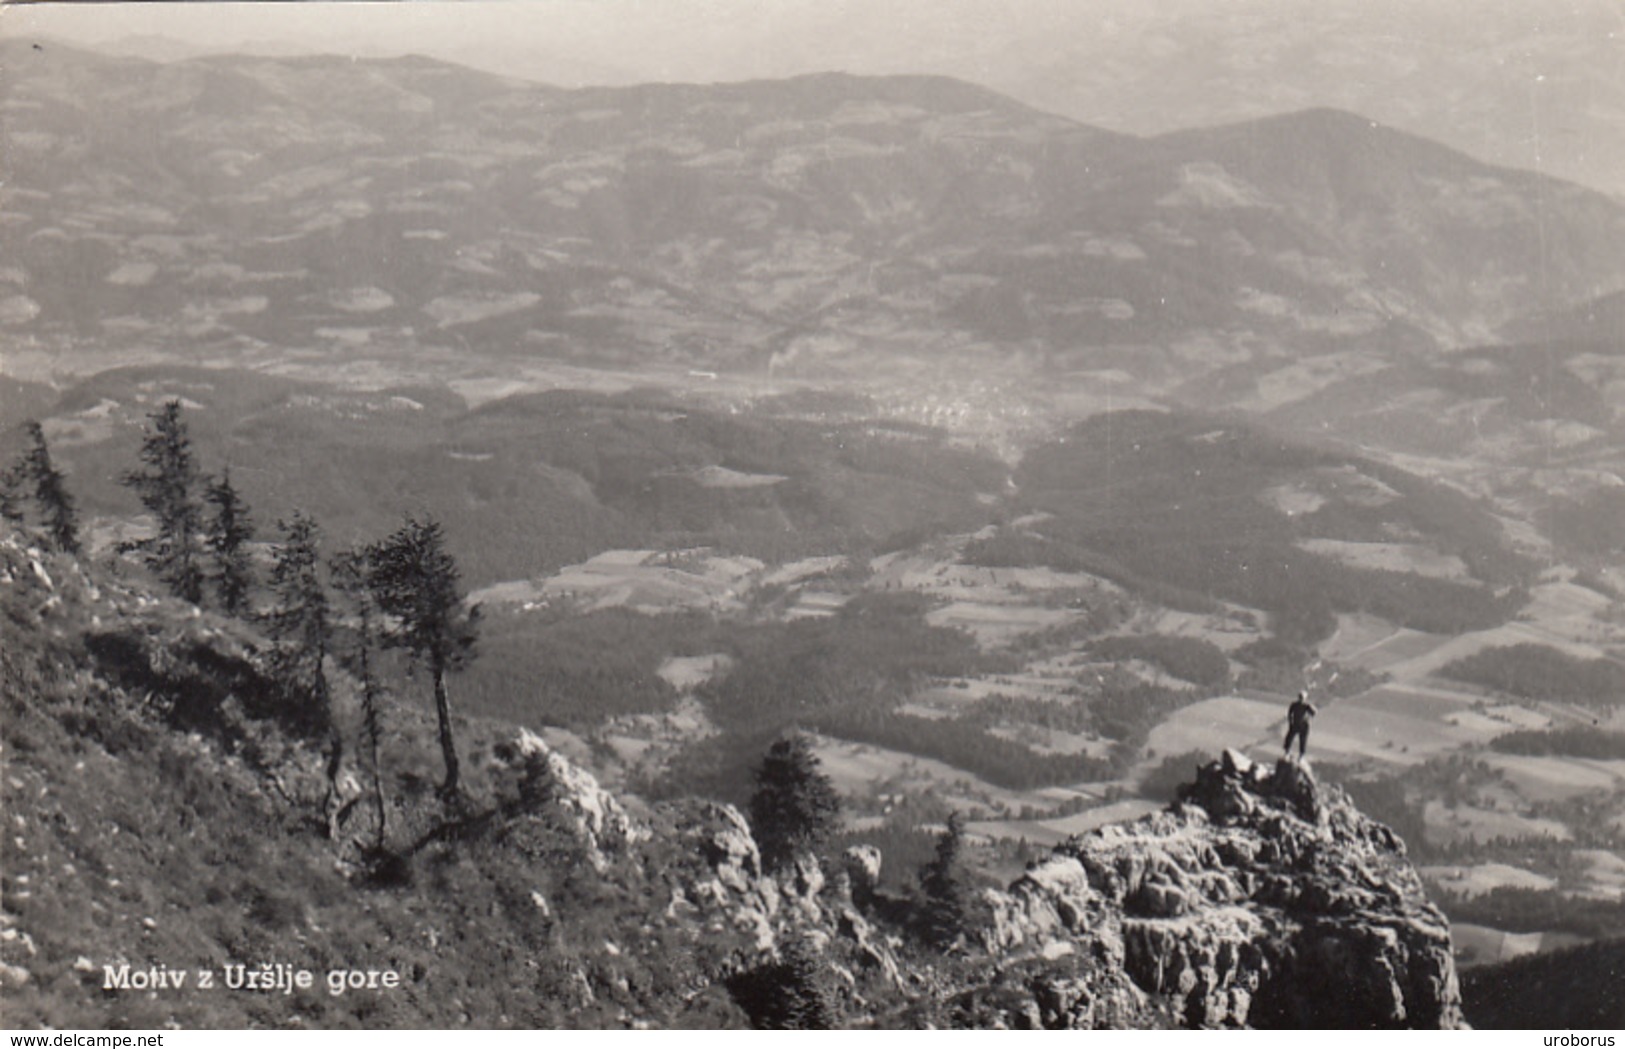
[{"x": 131, "y": 841}]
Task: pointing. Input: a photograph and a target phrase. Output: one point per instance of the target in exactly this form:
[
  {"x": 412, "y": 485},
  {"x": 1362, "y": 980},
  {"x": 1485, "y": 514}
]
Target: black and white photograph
[{"x": 813, "y": 514}]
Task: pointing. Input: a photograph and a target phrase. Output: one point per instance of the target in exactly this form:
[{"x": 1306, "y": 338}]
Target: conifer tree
[
  {"x": 806, "y": 999},
  {"x": 51, "y": 494},
  {"x": 349, "y": 575},
  {"x": 809, "y": 999},
  {"x": 416, "y": 582},
  {"x": 165, "y": 488},
  {"x": 11, "y": 505},
  {"x": 950, "y": 903},
  {"x": 298, "y": 621},
  {"x": 794, "y": 993},
  {"x": 50, "y": 491},
  {"x": 230, "y": 528},
  {"x": 795, "y": 807}
]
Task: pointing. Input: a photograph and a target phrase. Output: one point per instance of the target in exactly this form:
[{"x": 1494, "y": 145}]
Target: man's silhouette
[{"x": 1297, "y": 724}]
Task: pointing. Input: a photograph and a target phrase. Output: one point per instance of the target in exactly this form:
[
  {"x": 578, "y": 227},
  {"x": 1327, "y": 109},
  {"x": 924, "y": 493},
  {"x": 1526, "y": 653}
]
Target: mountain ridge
[{"x": 829, "y": 224}]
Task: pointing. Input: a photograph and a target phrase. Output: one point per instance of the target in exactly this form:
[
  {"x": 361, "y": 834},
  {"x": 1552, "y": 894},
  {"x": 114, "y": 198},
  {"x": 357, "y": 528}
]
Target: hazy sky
[
  {"x": 1535, "y": 83},
  {"x": 638, "y": 40},
  {"x": 627, "y": 40}
]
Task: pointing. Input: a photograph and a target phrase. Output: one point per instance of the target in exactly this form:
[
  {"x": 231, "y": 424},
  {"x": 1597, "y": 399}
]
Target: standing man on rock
[{"x": 1297, "y": 724}]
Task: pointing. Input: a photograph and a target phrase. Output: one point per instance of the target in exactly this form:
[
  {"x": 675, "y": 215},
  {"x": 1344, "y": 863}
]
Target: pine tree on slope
[
  {"x": 949, "y": 906},
  {"x": 165, "y": 488},
  {"x": 298, "y": 621},
  {"x": 11, "y": 504},
  {"x": 230, "y": 529},
  {"x": 415, "y": 581},
  {"x": 349, "y": 574},
  {"x": 51, "y": 496},
  {"x": 795, "y": 807}
]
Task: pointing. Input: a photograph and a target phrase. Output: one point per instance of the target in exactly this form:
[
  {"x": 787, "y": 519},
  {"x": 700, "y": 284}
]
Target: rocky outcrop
[
  {"x": 1260, "y": 898},
  {"x": 548, "y": 780},
  {"x": 727, "y": 888},
  {"x": 710, "y": 863},
  {"x": 723, "y": 886},
  {"x": 862, "y": 864}
]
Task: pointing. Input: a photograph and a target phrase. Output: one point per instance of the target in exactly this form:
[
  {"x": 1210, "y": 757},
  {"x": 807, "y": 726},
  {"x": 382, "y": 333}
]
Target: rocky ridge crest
[{"x": 1260, "y": 898}]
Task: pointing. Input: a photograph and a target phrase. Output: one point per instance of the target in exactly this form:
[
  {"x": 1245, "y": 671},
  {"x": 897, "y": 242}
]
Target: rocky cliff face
[{"x": 1260, "y": 898}]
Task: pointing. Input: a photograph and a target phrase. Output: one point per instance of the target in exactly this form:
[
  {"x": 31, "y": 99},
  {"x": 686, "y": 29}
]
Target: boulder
[
  {"x": 800, "y": 885},
  {"x": 862, "y": 864}
]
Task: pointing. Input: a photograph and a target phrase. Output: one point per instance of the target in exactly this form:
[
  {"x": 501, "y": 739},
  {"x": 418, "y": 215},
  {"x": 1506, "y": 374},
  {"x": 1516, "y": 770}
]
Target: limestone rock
[
  {"x": 871, "y": 952},
  {"x": 1054, "y": 898},
  {"x": 862, "y": 864},
  {"x": 548, "y": 778},
  {"x": 1260, "y": 898},
  {"x": 724, "y": 886},
  {"x": 800, "y": 885}
]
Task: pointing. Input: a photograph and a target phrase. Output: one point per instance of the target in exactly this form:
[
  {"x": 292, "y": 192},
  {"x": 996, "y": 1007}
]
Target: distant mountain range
[
  {"x": 820, "y": 223},
  {"x": 973, "y": 261},
  {"x": 1523, "y": 83}
]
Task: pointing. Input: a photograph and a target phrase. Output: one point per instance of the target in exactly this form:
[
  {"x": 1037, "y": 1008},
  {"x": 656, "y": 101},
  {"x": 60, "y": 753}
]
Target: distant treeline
[
  {"x": 1572, "y": 989},
  {"x": 1188, "y": 658},
  {"x": 1010, "y": 548},
  {"x": 1523, "y": 383},
  {"x": 1001, "y": 762},
  {"x": 875, "y": 650},
  {"x": 846, "y": 674},
  {"x": 1575, "y": 741},
  {"x": 1272, "y": 665},
  {"x": 1386, "y": 801},
  {"x": 1183, "y": 502},
  {"x": 577, "y": 670},
  {"x": 526, "y": 484},
  {"x": 1119, "y": 707},
  {"x": 1162, "y": 781},
  {"x": 1538, "y": 910},
  {"x": 1070, "y": 715},
  {"x": 1127, "y": 709},
  {"x": 1592, "y": 525},
  {"x": 1539, "y": 672}
]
